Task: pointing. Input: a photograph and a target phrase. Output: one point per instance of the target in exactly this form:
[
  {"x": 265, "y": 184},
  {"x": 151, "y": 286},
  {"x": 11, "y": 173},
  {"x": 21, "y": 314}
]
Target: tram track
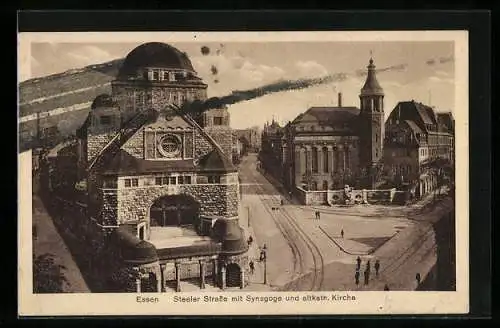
[{"x": 293, "y": 233}]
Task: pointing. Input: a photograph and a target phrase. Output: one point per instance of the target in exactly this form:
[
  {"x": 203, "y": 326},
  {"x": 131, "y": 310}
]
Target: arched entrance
[
  {"x": 233, "y": 275},
  {"x": 174, "y": 210}
]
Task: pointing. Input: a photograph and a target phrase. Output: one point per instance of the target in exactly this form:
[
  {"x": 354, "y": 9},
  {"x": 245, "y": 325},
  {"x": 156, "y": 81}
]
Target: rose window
[{"x": 169, "y": 146}]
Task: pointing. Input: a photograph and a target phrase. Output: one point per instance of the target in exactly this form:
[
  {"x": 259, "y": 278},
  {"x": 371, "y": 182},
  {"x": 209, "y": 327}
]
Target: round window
[{"x": 169, "y": 146}]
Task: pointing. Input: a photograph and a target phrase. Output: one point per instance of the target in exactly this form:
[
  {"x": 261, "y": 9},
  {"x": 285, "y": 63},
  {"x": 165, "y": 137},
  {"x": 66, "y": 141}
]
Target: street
[{"x": 309, "y": 254}]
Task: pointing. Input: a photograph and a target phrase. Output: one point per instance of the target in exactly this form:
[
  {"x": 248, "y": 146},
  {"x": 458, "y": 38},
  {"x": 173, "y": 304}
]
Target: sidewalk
[
  {"x": 49, "y": 241},
  {"x": 256, "y": 280}
]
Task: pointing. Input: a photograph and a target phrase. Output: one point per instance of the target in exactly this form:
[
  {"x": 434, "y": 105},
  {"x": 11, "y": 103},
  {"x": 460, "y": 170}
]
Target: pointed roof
[{"x": 371, "y": 87}]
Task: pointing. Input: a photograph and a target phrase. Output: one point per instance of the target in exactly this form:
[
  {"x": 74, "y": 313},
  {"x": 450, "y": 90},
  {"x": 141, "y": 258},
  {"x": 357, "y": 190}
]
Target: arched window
[
  {"x": 326, "y": 160},
  {"x": 315, "y": 159}
]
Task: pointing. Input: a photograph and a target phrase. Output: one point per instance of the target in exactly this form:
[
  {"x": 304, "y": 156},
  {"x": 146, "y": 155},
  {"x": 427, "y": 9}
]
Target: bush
[{"x": 48, "y": 277}]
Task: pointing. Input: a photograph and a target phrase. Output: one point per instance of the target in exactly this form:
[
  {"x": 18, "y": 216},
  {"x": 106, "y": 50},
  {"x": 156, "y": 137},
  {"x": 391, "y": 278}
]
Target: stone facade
[{"x": 216, "y": 200}]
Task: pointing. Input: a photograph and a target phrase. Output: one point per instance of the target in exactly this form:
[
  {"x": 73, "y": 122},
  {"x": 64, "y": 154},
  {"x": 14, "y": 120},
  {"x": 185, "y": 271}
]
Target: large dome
[{"x": 153, "y": 54}]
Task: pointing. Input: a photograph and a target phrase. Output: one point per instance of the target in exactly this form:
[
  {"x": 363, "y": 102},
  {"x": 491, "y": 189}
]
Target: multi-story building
[
  {"x": 327, "y": 147},
  {"x": 250, "y": 139},
  {"x": 161, "y": 187},
  {"x": 418, "y": 142}
]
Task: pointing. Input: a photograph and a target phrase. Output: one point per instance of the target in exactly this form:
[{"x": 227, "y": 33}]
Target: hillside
[{"x": 68, "y": 94}]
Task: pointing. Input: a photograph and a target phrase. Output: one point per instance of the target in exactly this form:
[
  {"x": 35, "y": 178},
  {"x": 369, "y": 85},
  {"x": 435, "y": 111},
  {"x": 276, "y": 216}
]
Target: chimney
[{"x": 340, "y": 99}]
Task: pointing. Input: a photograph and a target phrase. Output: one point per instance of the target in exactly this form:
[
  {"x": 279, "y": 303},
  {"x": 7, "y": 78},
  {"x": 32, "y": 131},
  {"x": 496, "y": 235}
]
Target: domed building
[{"x": 161, "y": 186}]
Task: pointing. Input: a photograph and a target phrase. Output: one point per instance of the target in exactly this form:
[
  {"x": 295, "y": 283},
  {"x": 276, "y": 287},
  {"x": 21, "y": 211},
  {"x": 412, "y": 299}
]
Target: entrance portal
[
  {"x": 174, "y": 210},
  {"x": 233, "y": 275}
]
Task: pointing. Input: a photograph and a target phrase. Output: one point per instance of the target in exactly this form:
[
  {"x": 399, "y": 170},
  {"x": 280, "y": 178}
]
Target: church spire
[{"x": 371, "y": 87}]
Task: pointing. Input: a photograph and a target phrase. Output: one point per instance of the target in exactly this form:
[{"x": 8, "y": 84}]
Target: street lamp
[
  {"x": 248, "y": 216},
  {"x": 263, "y": 255}
]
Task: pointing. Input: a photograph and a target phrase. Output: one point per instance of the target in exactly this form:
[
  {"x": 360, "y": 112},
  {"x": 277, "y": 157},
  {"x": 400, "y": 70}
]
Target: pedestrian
[
  {"x": 358, "y": 262},
  {"x": 368, "y": 266},
  {"x": 377, "y": 267},
  {"x": 417, "y": 277},
  {"x": 319, "y": 215},
  {"x": 386, "y": 288},
  {"x": 250, "y": 240},
  {"x": 367, "y": 277},
  {"x": 356, "y": 277},
  {"x": 342, "y": 233},
  {"x": 281, "y": 201},
  {"x": 252, "y": 267}
]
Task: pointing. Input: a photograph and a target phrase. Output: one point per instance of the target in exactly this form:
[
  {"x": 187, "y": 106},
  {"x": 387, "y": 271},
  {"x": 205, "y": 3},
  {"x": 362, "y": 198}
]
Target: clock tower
[{"x": 371, "y": 119}]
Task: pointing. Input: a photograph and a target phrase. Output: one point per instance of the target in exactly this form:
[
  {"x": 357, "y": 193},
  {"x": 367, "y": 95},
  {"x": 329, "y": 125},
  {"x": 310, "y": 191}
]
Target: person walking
[
  {"x": 377, "y": 267},
  {"x": 417, "y": 277},
  {"x": 319, "y": 215},
  {"x": 250, "y": 240},
  {"x": 252, "y": 267},
  {"x": 356, "y": 277},
  {"x": 358, "y": 263},
  {"x": 342, "y": 233},
  {"x": 367, "y": 277},
  {"x": 368, "y": 266}
]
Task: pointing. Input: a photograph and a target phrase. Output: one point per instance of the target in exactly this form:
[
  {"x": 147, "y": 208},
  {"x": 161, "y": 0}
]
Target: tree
[{"x": 48, "y": 277}]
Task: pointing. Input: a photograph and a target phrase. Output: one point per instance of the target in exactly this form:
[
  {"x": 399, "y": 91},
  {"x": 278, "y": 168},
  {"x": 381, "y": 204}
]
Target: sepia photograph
[{"x": 275, "y": 171}]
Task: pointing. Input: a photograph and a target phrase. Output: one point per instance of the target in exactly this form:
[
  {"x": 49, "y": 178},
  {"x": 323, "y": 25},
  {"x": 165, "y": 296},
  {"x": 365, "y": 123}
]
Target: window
[
  {"x": 141, "y": 233},
  {"x": 131, "y": 183},
  {"x": 326, "y": 160},
  {"x": 187, "y": 180},
  {"x": 158, "y": 181},
  {"x": 165, "y": 180},
  {"x": 109, "y": 183},
  {"x": 156, "y": 75},
  {"x": 105, "y": 119},
  {"x": 173, "y": 180},
  {"x": 214, "y": 179},
  {"x": 315, "y": 159},
  {"x": 218, "y": 120},
  {"x": 180, "y": 180}
]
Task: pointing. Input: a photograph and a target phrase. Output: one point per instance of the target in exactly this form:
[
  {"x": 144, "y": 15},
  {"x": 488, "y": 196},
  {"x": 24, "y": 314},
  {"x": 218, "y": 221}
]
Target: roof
[
  {"x": 132, "y": 249},
  {"x": 153, "y": 54},
  {"x": 371, "y": 86},
  {"x": 231, "y": 235},
  {"x": 328, "y": 115},
  {"x": 424, "y": 112},
  {"x": 103, "y": 100},
  {"x": 413, "y": 126},
  {"x": 216, "y": 161},
  {"x": 123, "y": 163}
]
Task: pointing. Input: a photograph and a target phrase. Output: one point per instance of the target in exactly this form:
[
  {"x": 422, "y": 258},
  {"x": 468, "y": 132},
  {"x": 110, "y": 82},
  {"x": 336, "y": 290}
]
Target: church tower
[
  {"x": 371, "y": 117},
  {"x": 216, "y": 123}
]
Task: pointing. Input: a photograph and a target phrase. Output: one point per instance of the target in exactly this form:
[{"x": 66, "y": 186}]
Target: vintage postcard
[{"x": 292, "y": 173}]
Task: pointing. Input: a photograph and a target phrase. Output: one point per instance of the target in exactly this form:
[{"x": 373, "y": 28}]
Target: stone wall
[
  {"x": 201, "y": 144},
  {"x": 215, "y": 200},
  {"x": 96, "y": 142},
  {"x": 135, "y": 145},
  {"x": 223, "y": 137},
  {"x": 336, "y": 197}
]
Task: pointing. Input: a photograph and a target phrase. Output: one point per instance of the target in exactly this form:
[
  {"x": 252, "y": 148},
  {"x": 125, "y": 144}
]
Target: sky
[{"x": 421, "y": 75}]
